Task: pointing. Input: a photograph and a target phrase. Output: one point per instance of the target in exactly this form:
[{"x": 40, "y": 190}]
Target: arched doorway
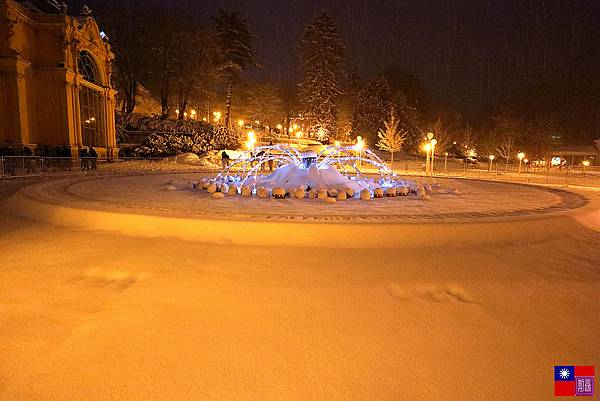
[{"x": 91, "y": 103}]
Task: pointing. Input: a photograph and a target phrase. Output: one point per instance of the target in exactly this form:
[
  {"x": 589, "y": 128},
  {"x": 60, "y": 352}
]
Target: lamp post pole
[
  {"x": 433, "y": 143},
  {"x": 521, "y": 156}
]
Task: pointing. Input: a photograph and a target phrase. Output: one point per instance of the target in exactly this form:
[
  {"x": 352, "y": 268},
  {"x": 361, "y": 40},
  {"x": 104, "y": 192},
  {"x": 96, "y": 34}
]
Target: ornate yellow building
[{"x": 55, "y": 85}]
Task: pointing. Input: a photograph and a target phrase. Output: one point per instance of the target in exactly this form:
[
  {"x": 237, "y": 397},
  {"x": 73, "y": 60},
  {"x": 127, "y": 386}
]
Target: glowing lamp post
[
  {"x": 445, "y": 162},
  {"x": 299, "y": 135},
  {"x": 427, "y": 148},
  {"x": 521, "y": 156},
  {"x": 241, "y": 123},
  {"x": 433, "y": 143},
  {"x": 216, "y": 116},
  {"x": 585, "y": 164},
  {"x": 491, "y": 157},
  {"x": 251, "y": 141},
  {"x": 360, "y": 144},
  {"x": 337, "y": 144}
]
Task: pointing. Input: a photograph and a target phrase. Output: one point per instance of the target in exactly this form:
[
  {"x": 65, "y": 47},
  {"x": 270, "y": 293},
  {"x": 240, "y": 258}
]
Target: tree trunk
[
  {"x": 131, "y": 95},
  {"x": 164, "y": 96},
  {"x": 208, "y": 111},
  {"x": 228, "y": 111},
  {"x": 392, "y": 161}
]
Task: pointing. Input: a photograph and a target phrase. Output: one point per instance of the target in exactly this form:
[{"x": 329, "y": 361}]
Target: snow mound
[{"x": 187, "y": 158}]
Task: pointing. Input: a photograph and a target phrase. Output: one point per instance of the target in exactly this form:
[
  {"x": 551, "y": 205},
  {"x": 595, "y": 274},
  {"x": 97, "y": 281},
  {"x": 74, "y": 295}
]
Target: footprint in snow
[{"x": 442, "y": 293}]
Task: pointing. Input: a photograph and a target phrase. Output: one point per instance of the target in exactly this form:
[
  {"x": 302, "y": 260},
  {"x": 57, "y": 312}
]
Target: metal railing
[
  {"x": 560, "y": 176},
  {"x": 36, "y": 166}
]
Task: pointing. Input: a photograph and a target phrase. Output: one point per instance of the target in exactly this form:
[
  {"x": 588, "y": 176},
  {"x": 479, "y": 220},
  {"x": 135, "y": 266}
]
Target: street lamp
[
  {"x": 433, "y": 143},
  {"x": 299, "y": 135},
  {"x": 360, "y": 143},
  {"x": 337, "y": 144},
  {"x": 492, "y": 157},
  {"x": 521, "y": 156},
  {"x": 445, "y": 161},
  {"x": 217, "y": 116},
  {"x": 241, "y": 123},
  {"x": 427, "y": 148},
  {"x": 251, "y": 140}
]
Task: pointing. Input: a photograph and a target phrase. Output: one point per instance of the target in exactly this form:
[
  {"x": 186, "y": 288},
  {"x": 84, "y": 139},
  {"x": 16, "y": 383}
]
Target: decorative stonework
[{"x": 55, "y": 87}]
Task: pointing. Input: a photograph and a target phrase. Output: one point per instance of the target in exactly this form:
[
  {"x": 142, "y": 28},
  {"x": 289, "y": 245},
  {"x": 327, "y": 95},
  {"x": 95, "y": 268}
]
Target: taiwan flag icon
[{"x": 574, "y": 381}]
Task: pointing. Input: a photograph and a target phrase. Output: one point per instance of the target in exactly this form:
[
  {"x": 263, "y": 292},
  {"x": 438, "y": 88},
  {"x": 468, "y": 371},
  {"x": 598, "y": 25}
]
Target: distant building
[
  {"x": 575, "y": 155},
  {"x": 54, "y": 79}
]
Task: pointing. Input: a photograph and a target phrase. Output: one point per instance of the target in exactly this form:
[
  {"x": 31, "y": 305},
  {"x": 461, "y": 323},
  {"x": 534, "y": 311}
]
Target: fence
[
  {"x": 561, "y": 176},
  {"x": 35, "y": 166}
]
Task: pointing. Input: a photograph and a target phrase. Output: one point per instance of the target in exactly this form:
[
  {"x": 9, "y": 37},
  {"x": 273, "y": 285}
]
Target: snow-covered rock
[
  {"x": 332, "y": 192},
  {"x": 278, "y": 192},
  {"x": 342, "y": 195},
  {"x": 421, "y": 191},
  {"x": 323, "y": 194},
  {"x": 262, "y": 193},
  {"x": 312, "y": 193},
  {"x": 246, "y": 191},
  {"x": 349, "y": 192},
  {"x": 365, "y": 194},
  {"x": 300, "y": 193},
  {"x": 403, "y": 191},
  {"x": 330, "y": 200},
  {"x": 218, "y": 195},
  {"x": 211, "y": 188},
  {"x": 185, "y": 158},
  {"x": 378, "y": 193},
  {"x": 224, "y": 188},
  {"x": 232, "y": 190},
  {"x": 391, "y": 192},
  {"x": 170, "y": 188}
]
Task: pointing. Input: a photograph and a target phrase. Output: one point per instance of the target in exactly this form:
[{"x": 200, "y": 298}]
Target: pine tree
[
  {"x": 321, "y": 57},
  {"x": 235, "y": 42},
  {"x": 372, "y": 106},
  {"x": 392, "y": 138}
]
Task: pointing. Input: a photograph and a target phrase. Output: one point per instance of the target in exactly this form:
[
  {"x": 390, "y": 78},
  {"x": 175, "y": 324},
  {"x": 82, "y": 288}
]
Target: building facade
[{"x": 55, "y": 87}]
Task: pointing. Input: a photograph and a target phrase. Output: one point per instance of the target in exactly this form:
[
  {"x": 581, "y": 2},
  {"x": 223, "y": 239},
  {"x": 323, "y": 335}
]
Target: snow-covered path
[{"x": 98, "y": 316}]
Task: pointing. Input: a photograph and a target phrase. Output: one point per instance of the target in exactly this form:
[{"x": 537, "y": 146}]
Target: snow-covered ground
[{"x": 91, "y": 315}]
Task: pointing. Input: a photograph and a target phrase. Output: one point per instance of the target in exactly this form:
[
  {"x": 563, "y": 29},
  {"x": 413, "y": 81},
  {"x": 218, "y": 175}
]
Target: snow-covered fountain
[{"x": 333, "y": 173}]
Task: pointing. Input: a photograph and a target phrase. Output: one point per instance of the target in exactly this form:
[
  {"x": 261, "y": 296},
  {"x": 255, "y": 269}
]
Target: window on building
[
  {"x": 87, "y": 67},
  {"x": 91, "y": 103}
]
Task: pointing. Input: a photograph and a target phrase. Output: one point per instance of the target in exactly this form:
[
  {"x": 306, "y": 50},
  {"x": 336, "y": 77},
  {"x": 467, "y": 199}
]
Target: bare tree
[
  {"x": 392, "y": 138},
  {"x": 506, "y": 147}
]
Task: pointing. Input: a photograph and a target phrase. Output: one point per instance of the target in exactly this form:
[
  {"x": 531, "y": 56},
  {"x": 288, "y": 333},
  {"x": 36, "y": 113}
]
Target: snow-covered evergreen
[{"x": 321, "y": 57}]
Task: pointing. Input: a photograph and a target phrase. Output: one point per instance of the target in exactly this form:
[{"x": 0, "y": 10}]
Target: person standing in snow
[
  {"x": 93, "y": 158},
  {"x": 84, "y": 159},
  {"x": 224, "y": 159}
]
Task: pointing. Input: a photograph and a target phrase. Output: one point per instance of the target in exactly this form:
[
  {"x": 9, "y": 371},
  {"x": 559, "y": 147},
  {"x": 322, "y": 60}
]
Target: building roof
[
  {"x": 575, "y": 150},
  {"x": 43, "y": 6}
]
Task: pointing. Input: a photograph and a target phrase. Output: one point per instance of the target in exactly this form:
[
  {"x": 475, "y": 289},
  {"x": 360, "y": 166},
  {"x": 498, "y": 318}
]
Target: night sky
[{"x": 468, "y": 52}]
